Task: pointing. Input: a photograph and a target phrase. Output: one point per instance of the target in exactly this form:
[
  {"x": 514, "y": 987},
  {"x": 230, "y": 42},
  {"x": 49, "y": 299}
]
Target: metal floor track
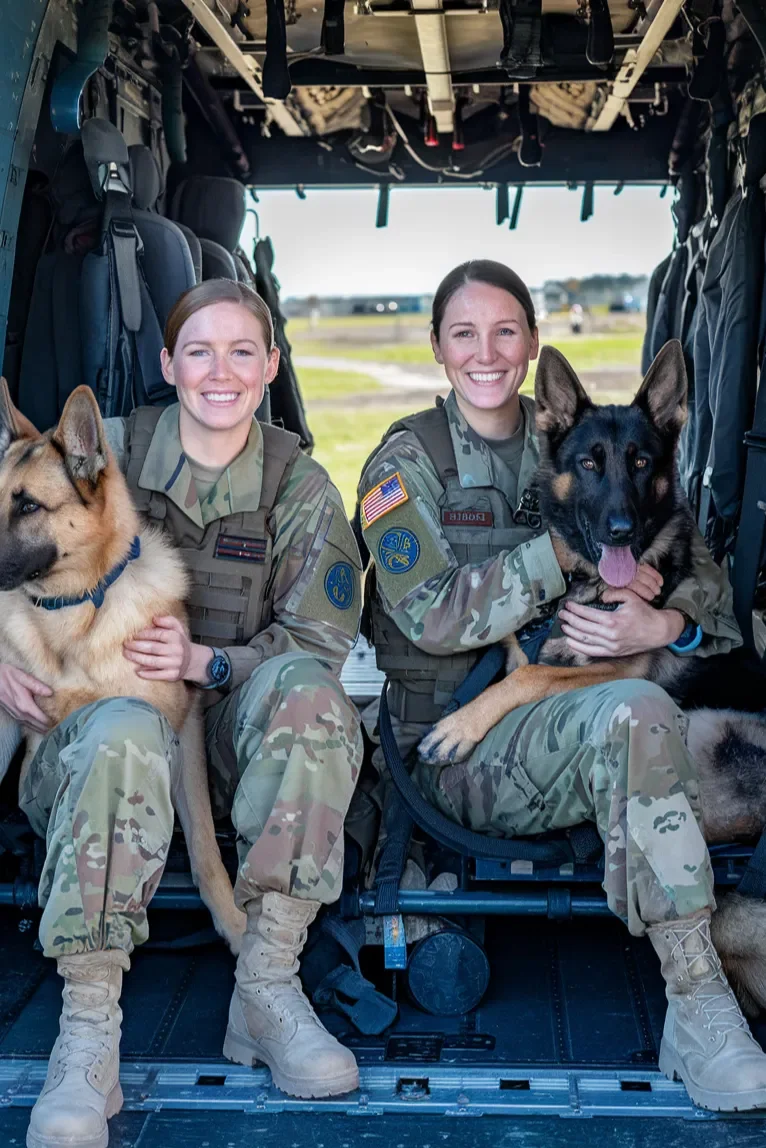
[{"x": 154, "y": 1086}]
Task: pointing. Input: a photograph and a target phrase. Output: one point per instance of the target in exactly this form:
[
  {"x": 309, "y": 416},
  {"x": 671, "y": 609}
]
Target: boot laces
[
  {"x": 87, "y": 1033},
  {"x": 720, "y": 1008}
]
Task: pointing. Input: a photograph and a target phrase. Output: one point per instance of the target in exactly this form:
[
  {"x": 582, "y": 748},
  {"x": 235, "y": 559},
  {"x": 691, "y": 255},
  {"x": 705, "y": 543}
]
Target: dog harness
[{"x": 98, "y": 593}]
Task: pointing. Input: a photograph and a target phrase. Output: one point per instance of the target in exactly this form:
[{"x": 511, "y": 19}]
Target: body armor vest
[
  {"x": 230, "y": 559},
  {"x": 479, "y": 523}
]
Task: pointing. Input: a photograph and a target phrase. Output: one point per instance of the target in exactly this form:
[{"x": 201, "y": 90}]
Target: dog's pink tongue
[{"x": 617, "y": 567}]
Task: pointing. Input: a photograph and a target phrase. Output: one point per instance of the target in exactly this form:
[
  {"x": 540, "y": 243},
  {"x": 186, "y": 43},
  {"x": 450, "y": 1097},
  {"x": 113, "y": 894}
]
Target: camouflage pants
[
  {"x": 284, "y": 750},
  {"x": 98, "y": 791},
  {"x": 284, "y": 754},
  {"x": 614, "y": 754}
]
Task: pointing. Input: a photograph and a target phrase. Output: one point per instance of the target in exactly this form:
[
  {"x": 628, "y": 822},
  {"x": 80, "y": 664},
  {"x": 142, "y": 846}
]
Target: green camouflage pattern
[
  {"x": 285, "y": 751},
  {"x": 614, "y": 754},
  {"x": 98, "y": 791},
  {"x": 439, "y": 605},
  {"x": 445, "y": 607},
  {"x": 311, "y": 536}
]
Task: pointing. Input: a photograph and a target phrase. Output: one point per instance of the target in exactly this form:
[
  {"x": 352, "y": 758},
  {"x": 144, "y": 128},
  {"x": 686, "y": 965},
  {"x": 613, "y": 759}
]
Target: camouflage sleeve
[
  {"x": 438, "y": 604},
  {"x": 706, "y": 597},
  {"x": 115, "y": 437},
  {"x": 316, "y": 577}
]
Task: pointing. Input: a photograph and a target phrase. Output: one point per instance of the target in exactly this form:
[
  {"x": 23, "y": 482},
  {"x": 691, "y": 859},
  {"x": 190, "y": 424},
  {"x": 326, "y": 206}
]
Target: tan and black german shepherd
[
  {"x": 67, "y": 520},
  {"x": 609, "y": 493}
]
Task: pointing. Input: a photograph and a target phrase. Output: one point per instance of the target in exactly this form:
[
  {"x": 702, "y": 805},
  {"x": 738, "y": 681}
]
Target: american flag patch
[
  {"x": 241, "y": 549},
  {"x": 382, "y": 498}
]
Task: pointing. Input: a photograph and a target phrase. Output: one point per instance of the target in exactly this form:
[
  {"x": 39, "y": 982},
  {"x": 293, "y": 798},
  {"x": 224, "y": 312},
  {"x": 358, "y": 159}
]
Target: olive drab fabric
[
  {"x": 276, "y": 583},
  {"x": 277, "y": 570},
  {"x": 613, "y": 754},
  {"x": 458, "y": 567}
]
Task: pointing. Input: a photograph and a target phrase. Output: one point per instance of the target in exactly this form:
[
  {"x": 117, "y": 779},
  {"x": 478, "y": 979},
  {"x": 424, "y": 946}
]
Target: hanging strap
[
  {"x": 333, "y": 27},
  {"x": 748, "y": 553},
  {"x": 276, "y": 77}
]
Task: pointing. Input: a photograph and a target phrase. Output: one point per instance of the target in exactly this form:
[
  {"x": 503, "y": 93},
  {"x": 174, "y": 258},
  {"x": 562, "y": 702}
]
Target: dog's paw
[{"x": 447, "y": 743}]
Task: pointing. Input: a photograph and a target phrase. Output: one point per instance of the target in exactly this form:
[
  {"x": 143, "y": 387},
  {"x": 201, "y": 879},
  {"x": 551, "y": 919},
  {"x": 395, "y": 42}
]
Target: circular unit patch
[
  {"x": 398, "y": 551},
  {"x": 339, "y": 585}
]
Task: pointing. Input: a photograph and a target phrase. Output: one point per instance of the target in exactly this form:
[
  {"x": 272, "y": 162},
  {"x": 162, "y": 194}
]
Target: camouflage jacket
[
  {"x": 447, "y": 606},
  {"x": 313, "y": 544}
]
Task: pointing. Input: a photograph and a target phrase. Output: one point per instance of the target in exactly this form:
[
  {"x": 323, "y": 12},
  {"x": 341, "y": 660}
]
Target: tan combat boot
[
  {"x": 82, "y": 1088},
  {"x": 706, "y": 1042},
  {"x": 270, "y": 1019}
]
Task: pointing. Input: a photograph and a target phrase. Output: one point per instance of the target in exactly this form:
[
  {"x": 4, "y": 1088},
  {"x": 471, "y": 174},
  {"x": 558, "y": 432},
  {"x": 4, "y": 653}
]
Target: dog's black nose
[{"x": 620, "y": 528}]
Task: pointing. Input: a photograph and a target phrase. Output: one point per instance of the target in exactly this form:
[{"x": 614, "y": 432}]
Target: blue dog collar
[{"x": 98, "y": 593}]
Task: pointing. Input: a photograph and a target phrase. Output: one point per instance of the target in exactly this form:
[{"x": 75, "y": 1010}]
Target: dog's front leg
[
  {"x": 191, "y": 798},
  {"x": 456, "y": 736}
]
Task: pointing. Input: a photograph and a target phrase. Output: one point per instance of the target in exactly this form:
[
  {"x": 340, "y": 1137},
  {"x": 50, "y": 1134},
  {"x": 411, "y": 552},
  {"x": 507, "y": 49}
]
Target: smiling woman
[{"x": 220, "y": 356}]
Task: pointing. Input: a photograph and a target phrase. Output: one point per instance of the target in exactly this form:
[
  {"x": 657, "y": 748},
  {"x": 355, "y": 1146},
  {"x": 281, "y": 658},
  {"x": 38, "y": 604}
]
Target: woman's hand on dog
[
  {"x": 634, "y": 628},
  {"x": 165, "y": 653},
  {"x": 18, "y": 691}
]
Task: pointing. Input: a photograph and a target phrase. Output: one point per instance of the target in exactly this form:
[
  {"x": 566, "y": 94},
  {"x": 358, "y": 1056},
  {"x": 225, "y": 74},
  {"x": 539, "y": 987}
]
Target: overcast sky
[{"x": 328, "y": 244}]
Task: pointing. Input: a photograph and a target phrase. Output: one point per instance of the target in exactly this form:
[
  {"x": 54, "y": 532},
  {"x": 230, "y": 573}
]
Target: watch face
[{"x": 219, "y": 669}]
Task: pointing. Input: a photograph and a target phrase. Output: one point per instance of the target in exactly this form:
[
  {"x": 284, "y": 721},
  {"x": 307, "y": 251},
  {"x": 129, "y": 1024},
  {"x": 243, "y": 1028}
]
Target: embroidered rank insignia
[
  {"x": 339, "y": 585},
  {"x": 382, "y": 498},
  {"x": 398, "y": 551},
  {"x": 240, "y": 549},
  {"x": 468, "y": 518}
]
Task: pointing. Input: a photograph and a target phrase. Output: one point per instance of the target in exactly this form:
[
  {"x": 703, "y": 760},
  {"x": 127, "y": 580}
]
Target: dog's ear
[
  {"x": 13, "y": 424},
  {"x": 559, "y": 395},
  {"x": 662, "y": 395},
  {"x": 80, "y": 436}
]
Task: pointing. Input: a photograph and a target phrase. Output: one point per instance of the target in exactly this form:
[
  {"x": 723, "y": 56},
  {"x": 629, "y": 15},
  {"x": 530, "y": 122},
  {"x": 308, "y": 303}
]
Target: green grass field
[
  {"x": 586, "y": 352},
  {"x": 344, "y": 439},
  {"x": 324, "y": 384},
  {"x": 346, "y": 431}
]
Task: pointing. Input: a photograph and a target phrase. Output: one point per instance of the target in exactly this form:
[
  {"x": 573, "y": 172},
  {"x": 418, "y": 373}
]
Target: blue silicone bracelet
[{"x": 685, "y": 647}]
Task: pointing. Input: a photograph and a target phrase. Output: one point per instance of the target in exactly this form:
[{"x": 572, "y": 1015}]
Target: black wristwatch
[{"x": 218, "y": 670}]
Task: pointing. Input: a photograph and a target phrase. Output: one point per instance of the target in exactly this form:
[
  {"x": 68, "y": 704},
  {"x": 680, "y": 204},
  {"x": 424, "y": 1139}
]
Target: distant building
[
  {"x": 618, "y": 292},
  {"x": 341, "y": 305}
]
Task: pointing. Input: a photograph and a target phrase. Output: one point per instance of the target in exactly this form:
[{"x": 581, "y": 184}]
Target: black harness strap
[
  {"x": 276, "y": 77},
  {"x": 753, "y": 881},
  {"x": 333, "y": 27},
  {"x": 748, "y": 554},
  {"x": 449, "y": 833}
]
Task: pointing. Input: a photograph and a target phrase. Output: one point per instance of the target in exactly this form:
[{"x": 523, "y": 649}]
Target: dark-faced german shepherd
[{"x": 610, "y": 495}]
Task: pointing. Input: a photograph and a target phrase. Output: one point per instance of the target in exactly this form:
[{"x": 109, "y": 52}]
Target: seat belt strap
[{"x": 753, "y": 881}]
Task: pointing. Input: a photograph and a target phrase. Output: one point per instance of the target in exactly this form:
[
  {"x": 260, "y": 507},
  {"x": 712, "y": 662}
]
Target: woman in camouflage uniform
[
  {"x": 274, "y": 610},
  {"x": 460, "y": 561}
]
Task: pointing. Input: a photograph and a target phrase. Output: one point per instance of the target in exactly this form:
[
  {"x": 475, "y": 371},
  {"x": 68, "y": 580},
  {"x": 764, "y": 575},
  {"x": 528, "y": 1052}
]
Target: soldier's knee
[
  {"x": 120, "y": 721},
  {"x": 645, "y": 700}
]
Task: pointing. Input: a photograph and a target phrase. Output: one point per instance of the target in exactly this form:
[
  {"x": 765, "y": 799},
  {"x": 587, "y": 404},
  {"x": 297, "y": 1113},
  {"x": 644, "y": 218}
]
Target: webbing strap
[
  {"x": 276, "y": 77},
  {"x": 449, "y": 833},
  {"x": 127, "y": 246},
  {"x": 333, "y": 27},
  {"x": 753, "y": 882},
  {"x": 397, "y": 823},
  {"x": 748, "y": 554},
  {"x": 522, "y": 27}
]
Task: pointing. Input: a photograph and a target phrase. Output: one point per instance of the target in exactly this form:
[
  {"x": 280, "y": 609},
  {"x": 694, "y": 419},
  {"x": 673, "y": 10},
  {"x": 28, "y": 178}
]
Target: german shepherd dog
[
  {"x": 610, "y": 495},
  {"x": 66, "y": 520}
]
